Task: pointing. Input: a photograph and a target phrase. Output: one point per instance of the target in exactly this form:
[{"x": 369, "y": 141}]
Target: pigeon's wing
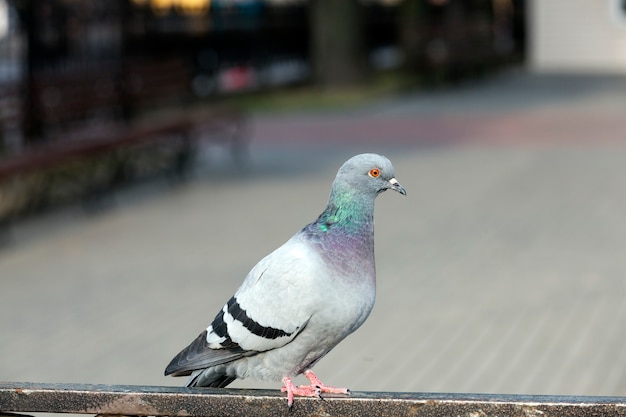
[{"x": 267, "y": 312}]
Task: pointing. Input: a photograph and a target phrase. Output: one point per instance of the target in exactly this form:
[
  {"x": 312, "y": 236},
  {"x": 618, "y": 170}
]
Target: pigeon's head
[{"x": 369, "y": 173}]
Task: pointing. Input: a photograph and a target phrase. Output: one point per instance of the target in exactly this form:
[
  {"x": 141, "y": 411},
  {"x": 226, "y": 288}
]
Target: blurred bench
[
  {"x": 123, "y": 400},
  {"x": 104, "y": 126}
]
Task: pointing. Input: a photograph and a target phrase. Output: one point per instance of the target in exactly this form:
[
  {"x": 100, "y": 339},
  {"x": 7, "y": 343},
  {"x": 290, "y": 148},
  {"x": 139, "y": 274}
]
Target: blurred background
[{"x": 152, "y": 151}]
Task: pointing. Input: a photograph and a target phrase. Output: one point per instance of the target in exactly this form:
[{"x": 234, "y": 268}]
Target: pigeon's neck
[
  {"x": 344, "y": 235},
  {"x": 347, "y": 212}
]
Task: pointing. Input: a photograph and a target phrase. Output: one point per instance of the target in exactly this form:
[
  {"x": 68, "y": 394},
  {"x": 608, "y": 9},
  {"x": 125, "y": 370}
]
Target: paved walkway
[{"x": 502, "y": 271}]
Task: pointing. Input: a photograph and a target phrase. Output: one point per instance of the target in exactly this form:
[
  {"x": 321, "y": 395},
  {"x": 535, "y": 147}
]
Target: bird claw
[
  {"x": 314, "y": 380},
  {"x": 314, "y": 390}
]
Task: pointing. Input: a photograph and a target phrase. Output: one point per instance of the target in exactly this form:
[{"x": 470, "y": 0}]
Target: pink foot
[
  {"x": 315, "y": 382},
  {"x": 314, "y": 390}
]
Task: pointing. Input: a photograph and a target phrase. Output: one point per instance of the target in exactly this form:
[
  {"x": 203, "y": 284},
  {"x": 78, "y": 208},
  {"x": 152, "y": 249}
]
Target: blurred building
[{"x": 577, "y": 35}]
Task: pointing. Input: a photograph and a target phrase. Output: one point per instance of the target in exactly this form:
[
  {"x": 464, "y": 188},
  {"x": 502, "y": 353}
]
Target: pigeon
[{"x": 301, "y": 300}]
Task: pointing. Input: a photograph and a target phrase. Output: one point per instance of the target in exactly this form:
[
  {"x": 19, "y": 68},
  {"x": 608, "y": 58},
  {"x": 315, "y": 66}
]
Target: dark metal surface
[{"x": 173, "y": 401}]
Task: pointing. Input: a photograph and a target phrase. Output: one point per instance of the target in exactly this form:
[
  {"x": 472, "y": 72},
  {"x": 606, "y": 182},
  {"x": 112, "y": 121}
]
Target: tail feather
[
  {"x": 209, "y": 378},
  {"x": 198, "y": 356}
]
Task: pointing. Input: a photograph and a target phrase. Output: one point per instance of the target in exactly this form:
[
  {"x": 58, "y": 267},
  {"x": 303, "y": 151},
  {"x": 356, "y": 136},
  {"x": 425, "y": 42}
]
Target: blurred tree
[
  {"x": 337, "y": 42},
  {"x": 412, "y": 39}
]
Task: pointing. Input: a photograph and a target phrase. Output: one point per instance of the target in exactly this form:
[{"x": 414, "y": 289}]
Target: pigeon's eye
[{"x": 374, "y": 173}]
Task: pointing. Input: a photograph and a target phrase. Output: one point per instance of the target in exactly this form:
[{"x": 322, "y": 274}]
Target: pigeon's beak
[{"x": 395, "y": 185}]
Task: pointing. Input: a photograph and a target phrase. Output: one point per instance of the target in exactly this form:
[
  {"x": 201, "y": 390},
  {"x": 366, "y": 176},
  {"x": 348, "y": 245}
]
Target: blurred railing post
[{"x": 30, "y": 123}]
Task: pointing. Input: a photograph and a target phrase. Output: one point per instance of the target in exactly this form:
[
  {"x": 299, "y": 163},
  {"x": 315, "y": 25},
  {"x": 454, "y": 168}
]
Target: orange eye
[{"x": 374, "y": 173}]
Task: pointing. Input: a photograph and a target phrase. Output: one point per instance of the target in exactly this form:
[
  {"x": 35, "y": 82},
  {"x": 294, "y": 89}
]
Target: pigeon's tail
[
  {"x": 204, "y": 365},
  {"x": 198, "y": 357},
  {"x": 208, "y": 378}
]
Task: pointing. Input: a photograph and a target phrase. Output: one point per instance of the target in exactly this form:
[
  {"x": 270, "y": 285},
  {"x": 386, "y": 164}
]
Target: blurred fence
[{"x": 226, "y": 46}]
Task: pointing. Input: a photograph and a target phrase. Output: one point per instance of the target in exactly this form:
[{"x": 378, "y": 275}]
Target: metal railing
[{"x": 172, "y": 401}]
